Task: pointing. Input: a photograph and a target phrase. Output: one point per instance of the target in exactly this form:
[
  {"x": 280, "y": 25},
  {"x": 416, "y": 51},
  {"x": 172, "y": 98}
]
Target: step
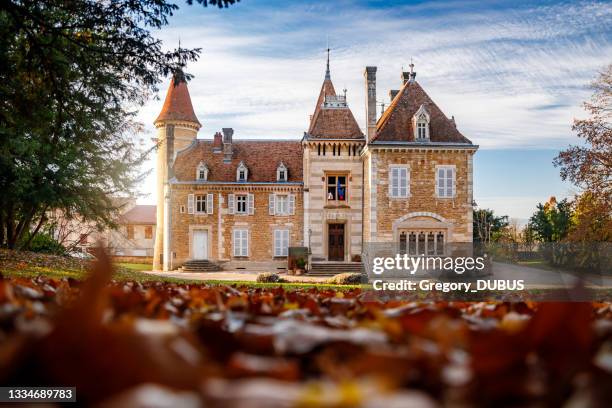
[{"x": 200, "y": 265}]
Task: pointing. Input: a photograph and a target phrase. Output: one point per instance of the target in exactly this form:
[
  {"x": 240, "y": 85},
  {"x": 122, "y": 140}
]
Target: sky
[{"x": 513, "y": 73}]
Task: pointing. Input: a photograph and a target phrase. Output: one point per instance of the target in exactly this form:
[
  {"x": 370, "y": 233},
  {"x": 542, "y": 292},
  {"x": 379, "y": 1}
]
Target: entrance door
[
  {"x": 335, "y": 242},
  {"x": 200, "y": 244}
]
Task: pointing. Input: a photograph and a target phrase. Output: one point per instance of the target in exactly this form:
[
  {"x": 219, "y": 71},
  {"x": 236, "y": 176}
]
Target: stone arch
[{"x": 435, "y": 221}]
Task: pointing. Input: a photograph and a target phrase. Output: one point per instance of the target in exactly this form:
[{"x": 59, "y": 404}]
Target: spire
[
  {"x": 177, "y": 105},
  {"x": 327, "y": 73}
]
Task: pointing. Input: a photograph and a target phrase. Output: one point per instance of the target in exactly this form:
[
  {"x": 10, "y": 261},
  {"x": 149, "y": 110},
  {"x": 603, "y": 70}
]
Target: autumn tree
[
  {"x": 552, "y": 220},
  {"x": 488, "y": 227},
  {"x": 72, "y": 76},
  {"x": 589, "y": 166}
]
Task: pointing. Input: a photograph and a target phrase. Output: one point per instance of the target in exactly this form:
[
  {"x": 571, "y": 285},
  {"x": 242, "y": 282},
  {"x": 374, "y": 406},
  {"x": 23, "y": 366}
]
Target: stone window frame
[
  {"x": 207, "y": 201},
  {"x": 284, "y": 253},
  {"x": 390, "y": 181},
  {"x": 202, "y": 172},
  {"x": 282, "y": 170},
  {"x": 238, "y": 251},
  {"x": 453, "y": 191},
  {"x": 242, "y": 168},
  {"x": 346, "y": 187},
  {"x": 412, "y": 246},
  {"x": 421, "y": 120}
]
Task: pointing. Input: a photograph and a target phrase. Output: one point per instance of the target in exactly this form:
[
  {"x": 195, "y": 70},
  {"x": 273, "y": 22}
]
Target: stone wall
[
  {"x": 220, "y": 224},
  {"x": 385, "y": 214},
  {"x": 320, "y": 212}
]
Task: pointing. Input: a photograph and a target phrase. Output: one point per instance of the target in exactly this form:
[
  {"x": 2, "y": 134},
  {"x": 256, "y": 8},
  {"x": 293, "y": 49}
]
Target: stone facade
[
  {"x": 386, "y": 216},
  {"x": 241, "y": 203}
]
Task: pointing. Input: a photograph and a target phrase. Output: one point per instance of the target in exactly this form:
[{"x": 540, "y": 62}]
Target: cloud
[{"x": 512, "y": 73}]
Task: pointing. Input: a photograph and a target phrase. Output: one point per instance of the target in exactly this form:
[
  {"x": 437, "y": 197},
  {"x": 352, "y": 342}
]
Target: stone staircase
[
  {"x": 334, "y": 268},
  {"x": 199, "y": 265}
]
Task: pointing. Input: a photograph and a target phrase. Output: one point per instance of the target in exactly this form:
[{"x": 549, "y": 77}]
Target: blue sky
[{"x": 513, "y": 73}]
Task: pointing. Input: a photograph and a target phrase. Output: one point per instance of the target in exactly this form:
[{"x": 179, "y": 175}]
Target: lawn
[{"x": 134, "y": 272}]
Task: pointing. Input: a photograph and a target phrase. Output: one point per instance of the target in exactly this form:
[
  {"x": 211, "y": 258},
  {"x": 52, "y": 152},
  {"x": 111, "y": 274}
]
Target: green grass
[
  {"x": 135, "y": 266},
  {"x": 132, "y": 272}
]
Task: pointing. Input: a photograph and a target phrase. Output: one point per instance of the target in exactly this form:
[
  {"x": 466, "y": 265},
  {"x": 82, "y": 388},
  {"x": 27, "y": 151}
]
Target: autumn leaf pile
[{"x": 161, "y": 344}]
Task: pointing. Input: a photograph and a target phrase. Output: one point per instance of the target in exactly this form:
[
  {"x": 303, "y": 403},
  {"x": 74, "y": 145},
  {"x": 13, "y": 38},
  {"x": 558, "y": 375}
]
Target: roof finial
[
  {"x": 412, "y": 73},
  {"x": 327, "y": 73}
]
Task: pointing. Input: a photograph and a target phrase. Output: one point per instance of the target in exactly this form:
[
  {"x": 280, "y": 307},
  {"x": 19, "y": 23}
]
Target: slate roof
[
  {"x": 261, "y": 157},
  {"x": 395, "y": 124},
  {"x": 177, "y": 105}
]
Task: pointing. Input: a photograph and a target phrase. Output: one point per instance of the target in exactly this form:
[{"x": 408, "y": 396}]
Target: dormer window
[
  {"x": 242, "y": 173},
  {"x": 421, "y": 130},
  {"x": 202, "y": 172},
  {"x": 421, "y": 124},
  {"x": 282, "y": 174}
]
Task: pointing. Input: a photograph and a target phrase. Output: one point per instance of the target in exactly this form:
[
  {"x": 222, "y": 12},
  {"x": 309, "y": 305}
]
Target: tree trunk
[{"x": 43, "y": 218}]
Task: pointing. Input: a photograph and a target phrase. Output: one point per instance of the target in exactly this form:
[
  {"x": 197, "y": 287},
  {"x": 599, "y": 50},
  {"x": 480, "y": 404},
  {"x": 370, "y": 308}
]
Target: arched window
[
  {"x": 282, "y": 173},
  {"x": 242, "y": 173},
  {"x": 202, "y": 172},
  {"x": 420, "y": 123}
]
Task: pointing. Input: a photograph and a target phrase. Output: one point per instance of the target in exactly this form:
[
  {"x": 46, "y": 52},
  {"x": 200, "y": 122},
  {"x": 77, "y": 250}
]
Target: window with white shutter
[
  {"x": 445, "y": 181},
  {"x": 241, "y": 242},
  {"x": 282, "y": 204},
  {"x": 271, "y": 204},
  {"x": 200, "y": 204},
  {"x": 281, "y": 242},
  {"x": 190, "y": 203},
  {"x": 399, "y": 182}
]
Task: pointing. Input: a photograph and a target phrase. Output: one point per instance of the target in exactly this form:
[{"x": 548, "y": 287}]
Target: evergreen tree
[{"x": 72, "y": 75}]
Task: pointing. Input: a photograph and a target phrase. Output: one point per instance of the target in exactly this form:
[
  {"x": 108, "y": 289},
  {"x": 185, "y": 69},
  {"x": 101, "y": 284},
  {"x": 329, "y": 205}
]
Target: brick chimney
[
  {"x": 227, "y": 144},
  {"x": 370, "y": 82},
  {"x": 393, "y": 93},
  {"x": 218, "y": 143}
]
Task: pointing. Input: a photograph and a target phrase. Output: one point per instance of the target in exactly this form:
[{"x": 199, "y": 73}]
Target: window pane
[
  {"x": 430, "y": 243},
  {"x": 412, "y": 250},
  {"x": 440, "y": 243}
]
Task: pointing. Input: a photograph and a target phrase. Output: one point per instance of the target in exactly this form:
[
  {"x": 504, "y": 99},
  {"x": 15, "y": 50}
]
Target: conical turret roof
[{"x": 177, "y": 105}]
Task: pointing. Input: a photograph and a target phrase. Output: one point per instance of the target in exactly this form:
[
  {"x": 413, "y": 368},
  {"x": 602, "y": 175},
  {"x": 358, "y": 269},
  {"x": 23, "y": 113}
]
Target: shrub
[
  {"x": 269, "y": 277},
  {"x": 348, "y": 279},
  {"x": 45, "y": 243}
]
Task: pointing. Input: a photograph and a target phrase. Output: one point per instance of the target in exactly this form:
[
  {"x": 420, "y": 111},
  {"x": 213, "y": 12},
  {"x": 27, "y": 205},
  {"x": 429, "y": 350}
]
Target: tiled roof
[
  {"x": 261, "y": 157},
  {"x": 177, "y": 105},
  {"x": 140, "y": 214},
  {"x": 395, "y": 124},
  {"x": 332, "y": 123}
]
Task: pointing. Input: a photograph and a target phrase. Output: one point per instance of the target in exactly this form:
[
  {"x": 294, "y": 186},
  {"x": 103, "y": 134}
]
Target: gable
[{"x": 396, "y": 122}]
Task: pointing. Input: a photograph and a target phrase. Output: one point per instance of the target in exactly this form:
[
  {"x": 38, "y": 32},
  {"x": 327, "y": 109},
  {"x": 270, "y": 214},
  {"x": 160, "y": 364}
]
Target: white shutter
[
  {"x": 452, "y": 181},
  {"x": 277, "y": 243},
  {"x": 440, "y": 182},
  {"x": 291, "y": 204},
  {"x": 406, "y": 183},
  {"x": 236, "y": 243},
  {"x": 245, "y": 243},
  {"x": 394, "y": 182},
  {"x": 230, "y": 204},
  {"x": 209, "y": 203},
  {"x": 285, "y": 242},
  {"x": 190, "y": 203},
  {"x": 251, "y": 204},
  {"x": 271, "y": 204}
]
